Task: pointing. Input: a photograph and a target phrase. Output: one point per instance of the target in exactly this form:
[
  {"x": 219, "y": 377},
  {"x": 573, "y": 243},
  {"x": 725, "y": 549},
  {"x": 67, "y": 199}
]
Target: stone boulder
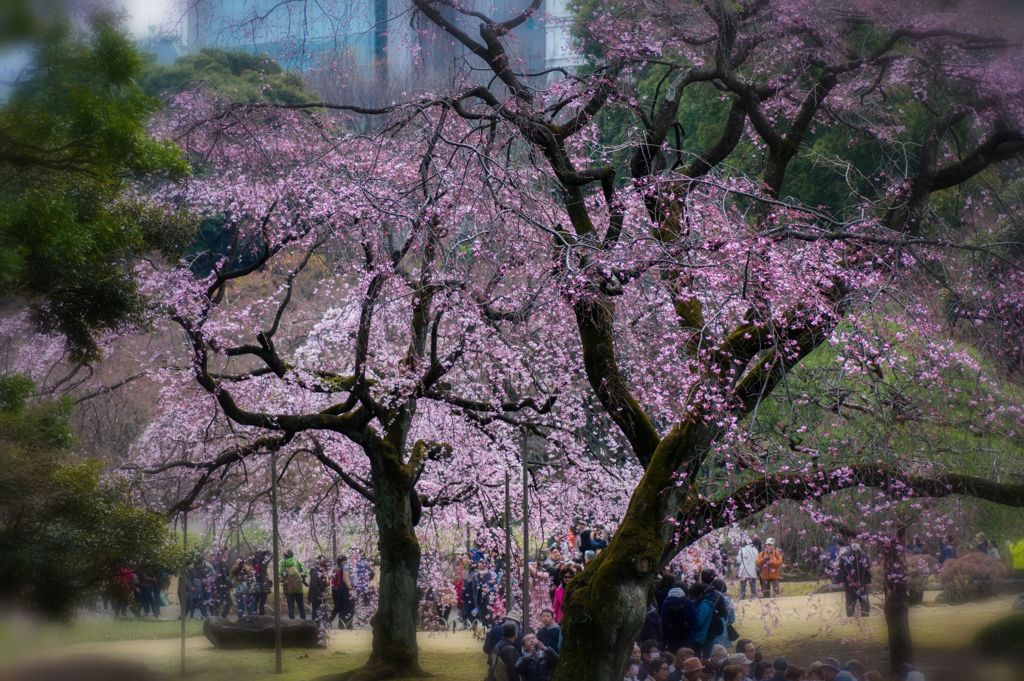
[{"x": 258, "y": 632}]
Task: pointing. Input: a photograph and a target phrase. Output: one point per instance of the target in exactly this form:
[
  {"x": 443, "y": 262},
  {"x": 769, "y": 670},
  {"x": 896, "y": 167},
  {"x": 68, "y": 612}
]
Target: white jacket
[{"x": 746, "y": 563}]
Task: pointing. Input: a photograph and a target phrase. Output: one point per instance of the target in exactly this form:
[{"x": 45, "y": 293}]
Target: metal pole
[
  {"x": 334, "y": 537},
  {"x": 526, "y": 544},
  {"x": 508, "y": 546},
  {"x": 275, "y": 569},
  {"x": 182, "y": 587}
]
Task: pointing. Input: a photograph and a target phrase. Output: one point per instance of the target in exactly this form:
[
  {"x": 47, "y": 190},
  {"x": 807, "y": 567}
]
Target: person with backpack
[
  {"x": 704, "y": 629},
  {"x": 293, "y": 577},
  {"x": 769, "y": 565},
  {"x": 505, "y": 655},
  {"x": 678, "y": 620},
  {"x": 341, "y": 594},
  {"x": 855, "y": 576},
  {"x": 318, "y": 585}
]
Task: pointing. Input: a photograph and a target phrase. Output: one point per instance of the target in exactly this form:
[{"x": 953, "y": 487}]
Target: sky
[{"x": 145, "y": 13}]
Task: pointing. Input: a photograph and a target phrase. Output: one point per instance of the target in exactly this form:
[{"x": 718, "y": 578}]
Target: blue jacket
[{"x": 705, "y": 613}]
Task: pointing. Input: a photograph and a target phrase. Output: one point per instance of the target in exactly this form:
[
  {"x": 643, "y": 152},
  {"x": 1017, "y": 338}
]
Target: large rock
[{"x": 258, "y": 632}]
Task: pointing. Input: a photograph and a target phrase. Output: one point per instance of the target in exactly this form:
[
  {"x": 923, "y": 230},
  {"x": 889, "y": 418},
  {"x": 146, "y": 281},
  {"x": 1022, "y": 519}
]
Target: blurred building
[{"x": 376, "y": 49}]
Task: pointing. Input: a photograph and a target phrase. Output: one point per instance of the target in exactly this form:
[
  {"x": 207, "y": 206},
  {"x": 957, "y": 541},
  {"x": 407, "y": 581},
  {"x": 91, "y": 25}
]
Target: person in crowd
[
  {"x": 242, "y": 584},
  {"x": 549, "y": 633},
  {"x": 220, "y": 587},
  {"x": 704, "y": 602},
  {"x": 678, "y": 620},
  {"x": 746, "y": 569},
  {"x": 537, "y": 663},
  {"x": 794, "y": 673},
  {"x": 497, "y": 632},
  {"x": 855, "y": 577},
  {"x": 947, "y": 549},
  {"x": 554, "y": 564},
  {"x": 855, "y": 668},
  {"x": 716, "y": 661},
  {"x": 503, "y": 657},
  {"x": 292, "y": 575},
  {"x": 845, "y": 676},
  {"x": 769, "y": 565},
  {"x": 468, "y": 599},
  {"x": 632, "y": 671},
  {"x": 829, "y": 668},
  {"x": 693, "y": 669},
  {"x": 650, "y": 651},
  {"x": 196, "y": 576},
  {"x": 780, "y": 666},
  {"x": 678, "y": 660},
  {"x": 568, "y": 573},
  {"x": 747, "y": 647},
  {"x": 651, "y": 628},
  {"x": 658, "y": 671},
  {"x": 664, "y": 585},
  {"x": 732, "y": 673},
  {"x": 741, "y": 662},
  {"x": 319, "y": 585},
  {"x": 261, "y": 561},
  {"x": 341, "y": 594},
  {"x": 727, "y": 635}
]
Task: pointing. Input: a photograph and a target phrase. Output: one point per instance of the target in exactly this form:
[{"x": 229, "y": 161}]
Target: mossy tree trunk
[
  {"x": 606, "y": 603},
  {"x": 394, "y": 651}
]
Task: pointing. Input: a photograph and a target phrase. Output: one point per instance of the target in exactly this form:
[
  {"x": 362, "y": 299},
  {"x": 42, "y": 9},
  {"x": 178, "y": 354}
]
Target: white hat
[{"x": 769, "y": 542}]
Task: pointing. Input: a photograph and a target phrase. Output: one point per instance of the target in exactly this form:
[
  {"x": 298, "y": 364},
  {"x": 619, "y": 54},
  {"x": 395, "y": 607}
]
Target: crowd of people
[{"x": 219, "y": 584}]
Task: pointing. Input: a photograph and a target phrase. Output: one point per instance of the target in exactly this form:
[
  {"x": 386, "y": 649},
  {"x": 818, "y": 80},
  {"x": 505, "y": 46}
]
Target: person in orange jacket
[{"x": 769, "y": 566}]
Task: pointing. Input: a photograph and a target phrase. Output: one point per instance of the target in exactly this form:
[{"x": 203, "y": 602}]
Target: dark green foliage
[
  {"x": 234, "y": 76},
  {"x": 73, "y": 139},
  {"x": 64, "y": 530},
  {"x": 1003, "y": 638}
]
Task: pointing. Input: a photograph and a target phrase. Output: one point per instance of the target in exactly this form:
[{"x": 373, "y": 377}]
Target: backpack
[
  {"x": 293, "y": 580},
  {"x": 500, "y": 667}
]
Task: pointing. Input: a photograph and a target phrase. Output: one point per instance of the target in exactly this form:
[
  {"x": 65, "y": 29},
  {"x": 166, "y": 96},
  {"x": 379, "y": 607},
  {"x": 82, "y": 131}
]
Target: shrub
[
  {"x": 973, "y": 576},
  {"x": 1003, "y": 638}
]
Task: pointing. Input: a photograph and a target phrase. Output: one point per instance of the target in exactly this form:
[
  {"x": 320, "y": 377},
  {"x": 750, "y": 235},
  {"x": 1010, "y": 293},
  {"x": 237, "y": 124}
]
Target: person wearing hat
[
  {"x": 769, "y": 565},
  {"x": 678, "y": 620},
  {"x": 829, "y": 668},
  {"x": 693, "y": 669},
  {"x": 497, "y": 633},
  {"x": 740, "y": 661}
]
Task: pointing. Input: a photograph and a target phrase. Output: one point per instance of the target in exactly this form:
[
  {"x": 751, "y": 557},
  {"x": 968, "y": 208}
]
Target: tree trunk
[
  {"x": 394, "y": 652},
  {"x": 897, "y": 603},
  {"x": 606, "y": 603}
]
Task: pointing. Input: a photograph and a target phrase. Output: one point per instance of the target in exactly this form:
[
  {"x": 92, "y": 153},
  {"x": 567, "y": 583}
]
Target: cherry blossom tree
[
  {"x": 416, "y": 350},
  {"x": 727, "y": 280}
]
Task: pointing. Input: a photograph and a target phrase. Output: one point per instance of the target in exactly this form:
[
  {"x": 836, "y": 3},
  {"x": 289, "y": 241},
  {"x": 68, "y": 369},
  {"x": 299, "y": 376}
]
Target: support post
[
  {"x": 276, "y": 558},
  {"x": 183, "y": 584},
  {"x": 508, "y": 546},
  {"x": 526, "y": 543}
]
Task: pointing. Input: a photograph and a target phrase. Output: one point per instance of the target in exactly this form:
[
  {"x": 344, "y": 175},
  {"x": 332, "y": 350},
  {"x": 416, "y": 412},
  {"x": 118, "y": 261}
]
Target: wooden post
[
  {"x": 276, "y": 559},
  {"x": 526, "y": 542},
  {"x": 183, "y": 584},
  {"x": 508, "y": 546}
]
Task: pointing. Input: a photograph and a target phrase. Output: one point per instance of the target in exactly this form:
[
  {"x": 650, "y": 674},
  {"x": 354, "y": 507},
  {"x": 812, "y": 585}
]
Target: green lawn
[{"x": 803, "y": 628}]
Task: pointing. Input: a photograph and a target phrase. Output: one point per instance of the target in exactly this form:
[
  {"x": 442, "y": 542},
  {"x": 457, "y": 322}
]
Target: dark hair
[
  {"x": 741, "y": 644},
  {"x": 508, "y": 630},
  {"x": 548, "y": 611},
  {"x": 732, "y": 673},
  {"x": 656, "y": 666},
  {"x": 288, "y": 553},
  {"x": 649, "y": 645},
  {"x": 707, "y": 576},
  {"x": 720, "y": 585},
  {"x": 794, "y": 673},
  {"x": 696, "y": 591}
]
